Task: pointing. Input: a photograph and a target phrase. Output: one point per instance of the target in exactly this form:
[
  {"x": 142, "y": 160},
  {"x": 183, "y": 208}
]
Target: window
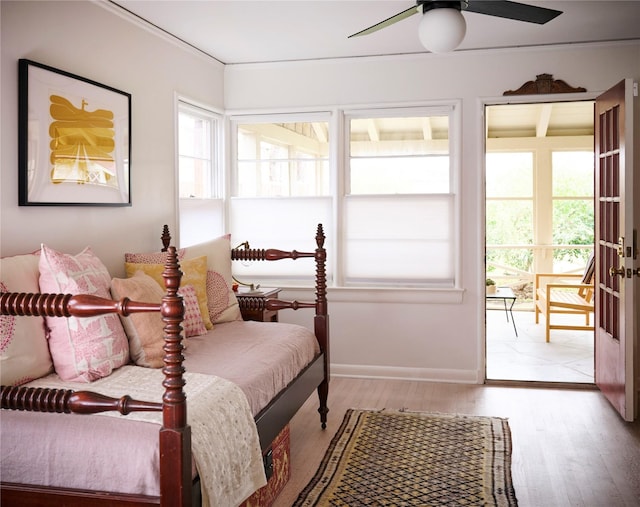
[
  {"x": 199, "y": 181},
  {"x": 389, "y": 206},
  {"x": 280, "y": 188},
  {"x": 539, "y": 211},
  {"x": 510, "y": 208},
  {"x": 283, "y": 159},
  {"x": 399, "y": 207},
  {"x": 573, "y": 212}
]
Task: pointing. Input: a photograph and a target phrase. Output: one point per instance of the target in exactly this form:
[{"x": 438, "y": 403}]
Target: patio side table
[{"x": 505, "y": 294}]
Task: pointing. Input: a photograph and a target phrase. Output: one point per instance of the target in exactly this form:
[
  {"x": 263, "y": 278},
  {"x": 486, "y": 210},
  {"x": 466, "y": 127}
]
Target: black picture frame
[{"x": 74, "y": 139}]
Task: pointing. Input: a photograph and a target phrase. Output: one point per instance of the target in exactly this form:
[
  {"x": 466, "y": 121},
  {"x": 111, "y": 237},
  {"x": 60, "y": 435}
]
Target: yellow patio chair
[{"x": 567, "y": 294}]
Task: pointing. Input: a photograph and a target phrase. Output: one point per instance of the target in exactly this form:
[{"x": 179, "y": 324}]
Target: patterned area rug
[{"x": 399, "y": 458}]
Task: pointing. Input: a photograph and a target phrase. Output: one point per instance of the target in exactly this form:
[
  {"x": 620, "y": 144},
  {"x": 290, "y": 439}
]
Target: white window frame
[
  {"x": 282, "y": 274},
  {"x": 208, "y": 210},
  {"x": 450, "y": 109}
]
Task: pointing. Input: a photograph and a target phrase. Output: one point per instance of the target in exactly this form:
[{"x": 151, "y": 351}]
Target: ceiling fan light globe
[{"x": 442, "y": 29}]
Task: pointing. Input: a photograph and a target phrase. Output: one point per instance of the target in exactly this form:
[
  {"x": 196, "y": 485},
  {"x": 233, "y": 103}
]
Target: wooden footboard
[{"x": 175, "y": 434}]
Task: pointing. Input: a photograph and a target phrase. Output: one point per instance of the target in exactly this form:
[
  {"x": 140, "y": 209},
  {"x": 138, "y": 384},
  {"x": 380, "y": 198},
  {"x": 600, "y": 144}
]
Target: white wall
[
  {"x": 96, "y": 43},
  {"x": 424, "y": 340}
]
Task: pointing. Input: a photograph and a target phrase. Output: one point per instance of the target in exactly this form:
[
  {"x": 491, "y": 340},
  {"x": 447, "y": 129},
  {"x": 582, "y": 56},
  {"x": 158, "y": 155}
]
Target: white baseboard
[{"x": 399, "y": 373}]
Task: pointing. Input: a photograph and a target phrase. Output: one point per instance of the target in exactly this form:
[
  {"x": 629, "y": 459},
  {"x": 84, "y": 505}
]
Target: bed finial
[
  {"x": 320, "y": 237},
  {"x": 166, "y": 238}
]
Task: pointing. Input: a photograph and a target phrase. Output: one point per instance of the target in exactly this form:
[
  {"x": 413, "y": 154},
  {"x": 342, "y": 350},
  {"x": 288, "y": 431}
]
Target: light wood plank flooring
[{"x": 570, "y": 448}]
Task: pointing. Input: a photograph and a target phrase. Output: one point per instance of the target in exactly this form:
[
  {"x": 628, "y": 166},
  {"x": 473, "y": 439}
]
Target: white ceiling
[{"x": 243, "y": 31}]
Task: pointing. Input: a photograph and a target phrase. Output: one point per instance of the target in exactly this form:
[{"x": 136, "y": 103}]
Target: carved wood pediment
[{"x": 544, "y": 84}]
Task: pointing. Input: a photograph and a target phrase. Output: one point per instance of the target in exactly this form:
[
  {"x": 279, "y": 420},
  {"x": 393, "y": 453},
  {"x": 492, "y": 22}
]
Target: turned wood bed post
[
  {"x": 321, "y": 321},
  {"x": 175, "y": 434}
]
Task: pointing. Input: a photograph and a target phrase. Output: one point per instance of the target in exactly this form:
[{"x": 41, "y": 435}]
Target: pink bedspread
[{"x": 261, "y": 358}]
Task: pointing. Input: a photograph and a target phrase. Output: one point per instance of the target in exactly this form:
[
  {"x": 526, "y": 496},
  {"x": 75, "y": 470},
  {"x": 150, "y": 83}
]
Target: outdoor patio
[{"x": 527, "y": 357}]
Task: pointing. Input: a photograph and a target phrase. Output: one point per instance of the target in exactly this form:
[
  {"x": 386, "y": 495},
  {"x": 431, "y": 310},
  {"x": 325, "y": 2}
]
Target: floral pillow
[
  {"x": 192, "y": 324},
  {"x": 151, "y": 258},
  {"x": 24, "y": 353},
  {"x": 82, "y": 349}
]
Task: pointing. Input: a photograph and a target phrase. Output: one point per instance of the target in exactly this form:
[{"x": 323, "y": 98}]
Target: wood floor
[{"x": 570, "y": 448}]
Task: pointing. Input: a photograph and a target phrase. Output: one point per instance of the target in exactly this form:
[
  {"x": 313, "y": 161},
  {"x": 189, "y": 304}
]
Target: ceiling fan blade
[
  {"x": 512, "y": 10},
  {"x": 389, "y": 21}
]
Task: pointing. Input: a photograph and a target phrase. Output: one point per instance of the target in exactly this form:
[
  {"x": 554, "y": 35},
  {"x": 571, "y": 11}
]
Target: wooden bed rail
[
  {"x": 38, "y": 399},
  {"x": 258, "y": 303},
  {"x": 67, "y": 305},
  {"x": 269, "y": 254}
]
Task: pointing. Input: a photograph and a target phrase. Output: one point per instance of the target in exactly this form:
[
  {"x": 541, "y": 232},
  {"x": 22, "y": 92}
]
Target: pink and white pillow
[
  {"x": 192, "y": 324},
  {"x": 24, "y": 353},
  {"x": 151, "y": 258},
  {"x": 82, "y": 349}
]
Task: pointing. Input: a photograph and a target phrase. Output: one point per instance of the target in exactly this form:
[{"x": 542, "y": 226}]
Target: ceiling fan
[{"x": 443, "y": 27}]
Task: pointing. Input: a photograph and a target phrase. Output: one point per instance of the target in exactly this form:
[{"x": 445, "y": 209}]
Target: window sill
[{"x": 383, "y": 295}]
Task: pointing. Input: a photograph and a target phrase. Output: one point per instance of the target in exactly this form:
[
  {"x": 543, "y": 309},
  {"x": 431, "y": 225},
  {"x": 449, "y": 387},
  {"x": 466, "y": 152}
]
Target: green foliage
[
  {"x": 510, "y": 210},
  {"x": 510, "y": 223},
  {"x": 573, "y": 223}
]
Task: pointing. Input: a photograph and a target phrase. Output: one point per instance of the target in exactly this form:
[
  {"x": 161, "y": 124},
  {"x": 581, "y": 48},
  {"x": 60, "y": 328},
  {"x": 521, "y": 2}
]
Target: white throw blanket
[{"x": 225, "y": 442}]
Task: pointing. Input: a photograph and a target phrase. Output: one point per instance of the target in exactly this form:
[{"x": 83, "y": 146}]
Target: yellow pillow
[{"x": 194, "y": 273}]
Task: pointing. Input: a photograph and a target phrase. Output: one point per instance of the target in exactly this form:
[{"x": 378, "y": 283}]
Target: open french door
[{"x": 617, "y": 256}]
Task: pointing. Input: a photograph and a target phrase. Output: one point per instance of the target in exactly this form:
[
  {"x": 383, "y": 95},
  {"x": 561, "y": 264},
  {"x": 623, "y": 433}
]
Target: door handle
[{"x": 613, "y": 271}]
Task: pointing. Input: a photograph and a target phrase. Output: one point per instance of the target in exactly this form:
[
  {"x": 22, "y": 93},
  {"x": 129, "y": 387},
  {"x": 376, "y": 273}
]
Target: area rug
[{"x": 401, "y": 458}]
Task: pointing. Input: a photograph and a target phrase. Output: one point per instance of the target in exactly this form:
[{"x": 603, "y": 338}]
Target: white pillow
[
  {"x": 24, "y": 354},
  {"x": 221, "y": 300}
]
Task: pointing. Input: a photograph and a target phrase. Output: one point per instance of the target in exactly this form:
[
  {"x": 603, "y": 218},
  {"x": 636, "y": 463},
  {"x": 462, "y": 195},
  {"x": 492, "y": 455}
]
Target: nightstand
[{"x": 252, "y": 304}]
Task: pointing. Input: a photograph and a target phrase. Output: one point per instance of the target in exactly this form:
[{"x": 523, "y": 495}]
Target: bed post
[
  {"x": 175, "y": 434},
  {"x": 321, "y": 321}
]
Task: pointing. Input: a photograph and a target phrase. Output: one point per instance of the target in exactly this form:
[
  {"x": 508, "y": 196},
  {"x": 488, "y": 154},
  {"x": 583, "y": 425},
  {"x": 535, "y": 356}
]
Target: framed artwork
[{"x": 74, "y": 140}]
